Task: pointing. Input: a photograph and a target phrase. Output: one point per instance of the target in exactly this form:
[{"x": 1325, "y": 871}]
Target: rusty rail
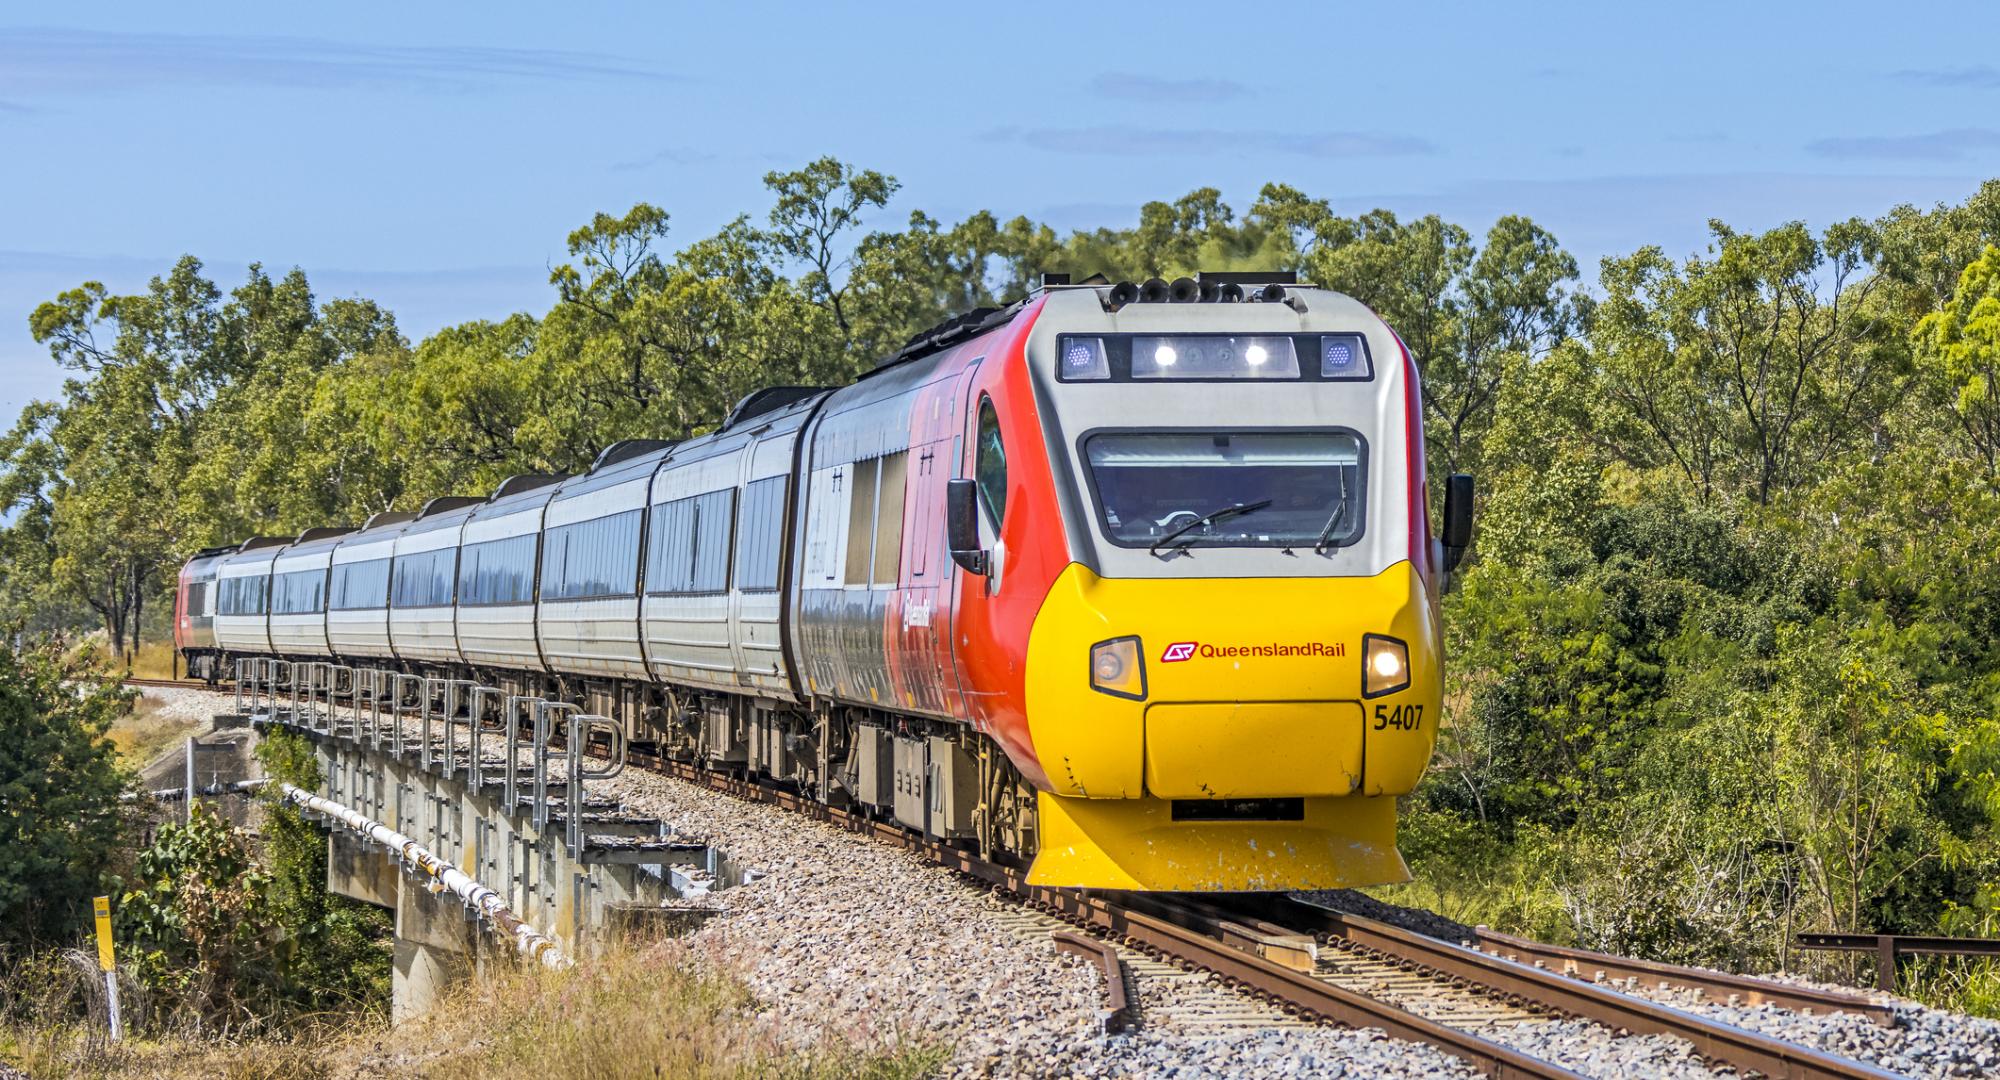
[
  {"x": 1114, "y": 1015},
  {"x": 1716, "y": 985},
  {"x": 1719, "y": 1042},
  {"x": 1261, "y": 977}
]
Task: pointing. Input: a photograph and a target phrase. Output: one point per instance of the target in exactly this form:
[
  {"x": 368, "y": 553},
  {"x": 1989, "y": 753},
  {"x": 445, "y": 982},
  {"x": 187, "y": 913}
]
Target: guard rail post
[{"x": 580, "y": 725}]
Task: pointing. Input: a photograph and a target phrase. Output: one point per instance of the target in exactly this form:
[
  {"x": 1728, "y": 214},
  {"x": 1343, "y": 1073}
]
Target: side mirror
[
  {"x": 1457, "y": 519},
  {"x": 961, "y": 523}
]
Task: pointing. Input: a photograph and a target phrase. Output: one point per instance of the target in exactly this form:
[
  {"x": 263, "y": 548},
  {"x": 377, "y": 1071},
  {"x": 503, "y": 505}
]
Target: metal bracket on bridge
[
  {"x": 476, "y": 712},
  {"x": 544, "y": 728},
  {"x": 454, "y": 691},
  {"x": 397, "y": 710},
  {"x": 580, "y": 726}
]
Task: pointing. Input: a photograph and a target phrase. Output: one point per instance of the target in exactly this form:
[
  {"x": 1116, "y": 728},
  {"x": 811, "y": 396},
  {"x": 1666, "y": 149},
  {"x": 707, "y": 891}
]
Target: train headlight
[
  {"x": 1118, "y": 668},
  {"x": 1083, "y": 358},
  {"x": 1385, "y": 665},
  {"x": 1344, "y": 356}
]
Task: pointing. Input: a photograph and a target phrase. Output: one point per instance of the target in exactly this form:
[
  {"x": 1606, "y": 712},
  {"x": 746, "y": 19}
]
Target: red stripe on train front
[{"x": 1413, "y": 436}]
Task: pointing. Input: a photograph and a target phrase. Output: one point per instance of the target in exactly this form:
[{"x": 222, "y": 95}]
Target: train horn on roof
[
  {"x": 1154, "y": 291},
  {"x": 1123, "y": 293},
  {"x": 1183, "y": 291}
]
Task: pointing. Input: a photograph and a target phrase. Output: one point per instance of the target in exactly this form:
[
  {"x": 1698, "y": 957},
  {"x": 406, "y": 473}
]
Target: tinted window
[
  {"x": 244, "y": 595},
  {"x": 424, "y": 579},
  {"x": 497, "y": 571},
  {"x": 360, "y": 585},
  {"x": 300, "y": 592},
  {"x": 197, "y": 599},
  {"x": 592, "y": 558},
  {"x": 990, "y": 461},
  {"x": 861, "y": 519},
  {"x": 1297, "y": 488},
  {"x": 760, "y": 532},
  {"x": 889, "y": 493},
  {"x": 690, "y": 541}
]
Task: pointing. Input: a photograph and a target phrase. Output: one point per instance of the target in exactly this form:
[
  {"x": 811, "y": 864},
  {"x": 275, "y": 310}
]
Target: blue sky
[{"x": 434, "y": 156}]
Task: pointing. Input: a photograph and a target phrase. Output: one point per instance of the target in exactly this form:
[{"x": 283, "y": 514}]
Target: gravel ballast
[{"x": 843, "y": 938}]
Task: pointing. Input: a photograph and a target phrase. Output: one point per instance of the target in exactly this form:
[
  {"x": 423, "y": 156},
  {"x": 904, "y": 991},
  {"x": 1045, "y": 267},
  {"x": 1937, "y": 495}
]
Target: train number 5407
[{"x": 1402, "y": 717}]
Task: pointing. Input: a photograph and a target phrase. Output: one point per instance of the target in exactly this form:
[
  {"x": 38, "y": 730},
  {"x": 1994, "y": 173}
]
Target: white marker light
[
  {"x": 1255, "y": 355},
  {"x": 1165, "y": 356},
  {"x": 1388, "y": 666}
]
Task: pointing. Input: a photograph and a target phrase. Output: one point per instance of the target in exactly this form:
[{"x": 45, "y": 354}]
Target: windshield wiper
[
  {"x": 1333, "y": 523},
  {"x": 1209, "y": 518}
]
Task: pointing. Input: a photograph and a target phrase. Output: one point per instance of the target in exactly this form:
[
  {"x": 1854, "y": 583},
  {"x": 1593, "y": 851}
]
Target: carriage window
[
  {"x": 989, "y": 466},
  {"x": 760, "y": 530},
  {"x": 300, "y": 592},
  {"x": 424, "y": 578},
  {"x": 498, "y": 571},
  {"x": 361, "y": 585},
  {"x": 592, "y": 558},
  {"x": 713, "y": 515},
  {"x": 861, "y": 520},
  {"x": 690, "y": 545},
  {"x": 889, "y": 518},
  {"x": 244, "y": 595},
  {"x": 197, "y": 599}
]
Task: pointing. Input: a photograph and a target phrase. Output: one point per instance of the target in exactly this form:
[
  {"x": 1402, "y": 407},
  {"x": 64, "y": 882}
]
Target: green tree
[
  {"x": 1959, "y": 345},
  {"x": 60, "y": 823}
]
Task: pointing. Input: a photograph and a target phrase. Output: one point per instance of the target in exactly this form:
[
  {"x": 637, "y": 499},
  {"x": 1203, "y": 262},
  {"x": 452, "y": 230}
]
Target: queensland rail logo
[{"x": 1188, "y": 650}]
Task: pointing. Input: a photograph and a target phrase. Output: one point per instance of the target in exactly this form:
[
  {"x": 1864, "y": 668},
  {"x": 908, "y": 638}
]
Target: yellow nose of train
[{"x": 1209, "y": 734}]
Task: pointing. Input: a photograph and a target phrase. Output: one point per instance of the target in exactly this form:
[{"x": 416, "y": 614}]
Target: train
[{"x": 1135, "y": 585}]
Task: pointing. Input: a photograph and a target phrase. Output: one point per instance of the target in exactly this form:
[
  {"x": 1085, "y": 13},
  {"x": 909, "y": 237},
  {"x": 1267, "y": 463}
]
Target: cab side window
[{"x": 989, "y": 466}]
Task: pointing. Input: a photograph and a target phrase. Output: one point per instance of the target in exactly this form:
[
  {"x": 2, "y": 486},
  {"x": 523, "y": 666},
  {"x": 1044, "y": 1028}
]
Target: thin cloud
[
  {"x": 54, "y": 61},
  {"x": 1975, "y": 77},
  {"x": 672, "y": 155},
  {"x": 1211, "y": 142},
  {"x": 1956, "y": 144},
  {"x": 1127, "y": 86}
]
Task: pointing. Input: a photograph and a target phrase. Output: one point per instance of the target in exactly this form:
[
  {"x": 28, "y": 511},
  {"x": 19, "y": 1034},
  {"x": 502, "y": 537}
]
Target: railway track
[
  {"x": 1318, "y": 964},
  {"x": 1303, "y": 963},
  {"x": 167, "y": 684}
]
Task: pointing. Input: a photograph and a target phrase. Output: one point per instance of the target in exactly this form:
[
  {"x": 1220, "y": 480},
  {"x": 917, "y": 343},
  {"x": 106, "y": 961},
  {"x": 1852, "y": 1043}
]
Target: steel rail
[
  {"x": 1262, "y": 977},
  {"x": 1113, "y": 1018},
  {"x": 1717, "y": 985},
  {"x": 1715, "y": 1041}
]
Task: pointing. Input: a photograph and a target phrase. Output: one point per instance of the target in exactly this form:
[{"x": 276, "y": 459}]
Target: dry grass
[
  {"x": 638, "y": 1011},
  {"x": 145, "y": 734},
  {"x": 155, "y": 660}
]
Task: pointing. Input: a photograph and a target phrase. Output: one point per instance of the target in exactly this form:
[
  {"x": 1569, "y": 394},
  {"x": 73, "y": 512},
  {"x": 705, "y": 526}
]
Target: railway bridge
[{"x": 466, "y": 812}]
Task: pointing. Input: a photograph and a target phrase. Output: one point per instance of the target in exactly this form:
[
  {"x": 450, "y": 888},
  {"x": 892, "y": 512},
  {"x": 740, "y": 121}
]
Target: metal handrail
[
  {"x": 511, "y": 793},
  {"x": 477, "y": 714},
  {"x": 288, "y": 683},
  {"x": 333, "y": 677},
  {"x": 396, "y": 710},
  {"x": 580, "y": 725},
  {"x": 452, "y": 693},
  {"x": 544, "y": 728}
]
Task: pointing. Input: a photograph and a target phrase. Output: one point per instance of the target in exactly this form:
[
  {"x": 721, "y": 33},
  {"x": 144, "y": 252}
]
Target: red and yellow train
[{"x": 1135, "y": 582}]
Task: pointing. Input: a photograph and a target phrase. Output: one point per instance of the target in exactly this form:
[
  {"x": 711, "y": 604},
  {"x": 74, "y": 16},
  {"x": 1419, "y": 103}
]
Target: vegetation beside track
[
  {"x": 640, "y": 1010},
  {"x": 1725, "y": 665}
]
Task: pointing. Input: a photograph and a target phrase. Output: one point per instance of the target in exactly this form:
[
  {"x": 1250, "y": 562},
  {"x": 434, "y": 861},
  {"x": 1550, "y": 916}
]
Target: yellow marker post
[{"x": 108, "y": 962}]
